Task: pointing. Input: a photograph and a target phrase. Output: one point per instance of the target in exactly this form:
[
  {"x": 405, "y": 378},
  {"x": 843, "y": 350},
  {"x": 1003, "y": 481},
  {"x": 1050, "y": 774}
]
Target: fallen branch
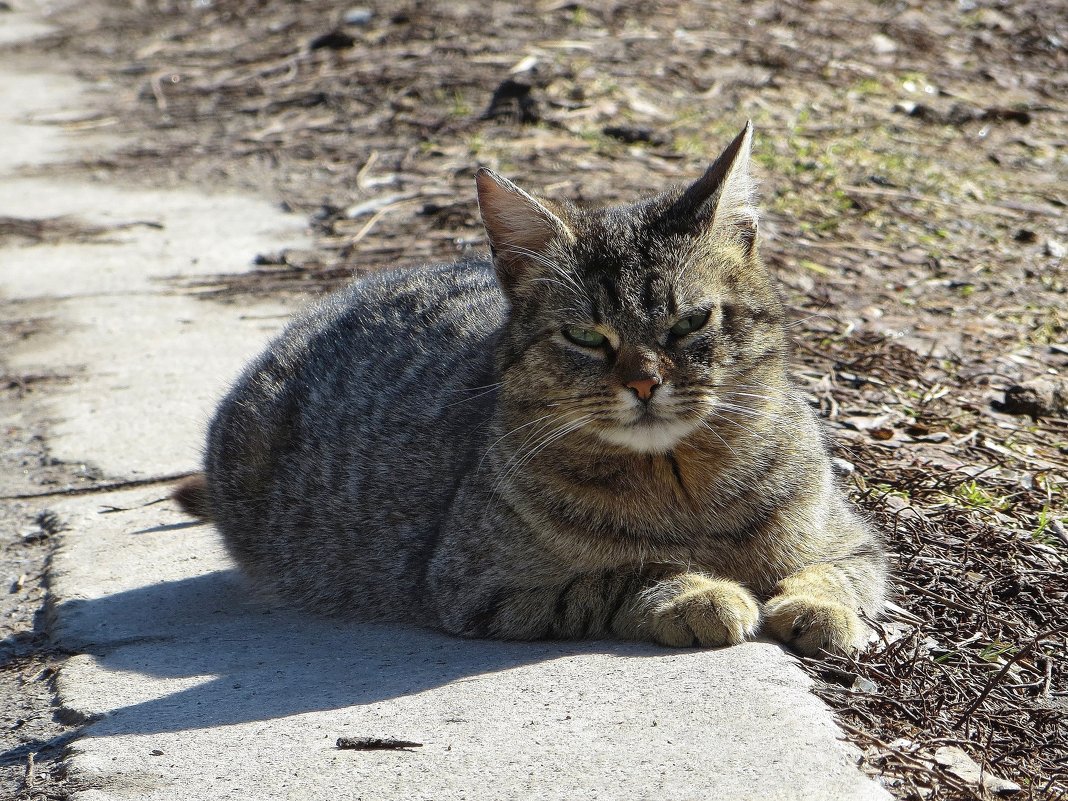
[{"x": 375, "y": 744}]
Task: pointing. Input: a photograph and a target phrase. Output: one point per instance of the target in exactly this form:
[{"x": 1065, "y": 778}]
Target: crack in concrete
[{"x": 94, "y": 488}]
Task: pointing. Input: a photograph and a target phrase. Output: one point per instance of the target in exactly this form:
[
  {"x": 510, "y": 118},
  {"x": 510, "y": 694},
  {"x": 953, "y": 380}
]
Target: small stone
[
  {"x": 1039, "y": 397},
  {"x": 936, "y": 436},
  {"x": 882, "y": 44},
  {"x": 919, "y": 110},
  {"x": 33, "y": 535},
  {"x": 862, "y": 422},
  {"x": 333, "y": 40},
  {"x": 956, "y": 761},
  {"x": 1056, "y": 249},
  {"x": 842, "y": 468},
  {"x": 357, "y": 16},
  {"x": 863, "y": 685},
  {"x": 915, "y": 255},
  {"x": 631, "y": 134}
]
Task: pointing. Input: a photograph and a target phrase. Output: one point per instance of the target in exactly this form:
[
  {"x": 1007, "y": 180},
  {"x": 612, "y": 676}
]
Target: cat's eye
[
  {"x": 585, "y": 337},
  {"x": 687, "y": 325}
]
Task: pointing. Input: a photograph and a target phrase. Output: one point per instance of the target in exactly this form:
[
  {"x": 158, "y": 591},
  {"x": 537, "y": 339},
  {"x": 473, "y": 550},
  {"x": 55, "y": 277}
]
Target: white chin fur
[{"x": 648, "y": 437}]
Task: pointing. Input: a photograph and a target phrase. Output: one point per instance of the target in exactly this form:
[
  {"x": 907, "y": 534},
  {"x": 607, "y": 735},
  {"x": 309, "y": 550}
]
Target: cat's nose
[{"x": 644, "y": 387}]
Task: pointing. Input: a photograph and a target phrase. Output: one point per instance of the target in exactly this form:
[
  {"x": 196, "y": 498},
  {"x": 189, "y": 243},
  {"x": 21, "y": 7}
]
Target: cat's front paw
[
  {"x": 810, "y": 624},
  {"x": 692, "y": 609}
]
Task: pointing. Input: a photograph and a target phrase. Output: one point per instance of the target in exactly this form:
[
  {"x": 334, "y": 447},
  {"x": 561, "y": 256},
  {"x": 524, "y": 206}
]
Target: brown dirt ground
[
  {"x": 29, "y": 723},
  {"x": 913, "y": 165}
]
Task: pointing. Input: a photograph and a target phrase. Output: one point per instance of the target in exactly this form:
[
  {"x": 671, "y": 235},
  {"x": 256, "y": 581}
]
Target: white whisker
[
  {"x": 521, "y": 458},
  {"x": 717, "y": 436},
  {"x": 493, "y": 444},
  {"x": 472, "y": 397},
  {"x": 735, "y": 423}
]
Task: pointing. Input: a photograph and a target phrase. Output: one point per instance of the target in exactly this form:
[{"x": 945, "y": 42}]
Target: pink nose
[{"x": 645, "y": 386}]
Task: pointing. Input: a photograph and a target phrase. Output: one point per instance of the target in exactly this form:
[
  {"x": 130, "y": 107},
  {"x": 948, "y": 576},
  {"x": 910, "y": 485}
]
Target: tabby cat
[{"x": 592, "y": 434}]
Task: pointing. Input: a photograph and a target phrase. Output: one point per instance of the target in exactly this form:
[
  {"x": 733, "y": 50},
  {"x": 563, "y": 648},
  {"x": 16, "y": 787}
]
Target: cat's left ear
[
  {"x": 722, "y": 201},
  {"x": 520, "y": 228}
]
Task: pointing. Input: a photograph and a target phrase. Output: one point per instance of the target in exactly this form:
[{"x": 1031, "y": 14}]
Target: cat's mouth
[
  {"x": 649, "y": 419},
  {"x": 649, "y": 432}
]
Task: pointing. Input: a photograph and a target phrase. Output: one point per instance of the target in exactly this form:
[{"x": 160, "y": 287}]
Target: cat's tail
[{"x": 193, "y": 497}]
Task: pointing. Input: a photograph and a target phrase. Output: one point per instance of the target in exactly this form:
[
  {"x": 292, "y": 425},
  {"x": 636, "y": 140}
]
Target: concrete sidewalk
[{"x": 192, "y": 688}]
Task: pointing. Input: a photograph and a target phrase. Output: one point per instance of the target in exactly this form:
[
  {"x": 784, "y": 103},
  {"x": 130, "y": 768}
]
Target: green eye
[
  {"x": 687, "y": 325},
  {"x": 585, "y": 337}
]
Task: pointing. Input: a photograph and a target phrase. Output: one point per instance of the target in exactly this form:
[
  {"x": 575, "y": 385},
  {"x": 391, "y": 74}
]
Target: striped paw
[
  {"x": 810, "y": 624},
  {"x": 694, "y": 610}
]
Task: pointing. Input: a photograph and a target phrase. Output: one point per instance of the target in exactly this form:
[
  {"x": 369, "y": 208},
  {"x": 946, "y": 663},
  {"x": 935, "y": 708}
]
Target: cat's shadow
[{"x": 224, "y": 658}]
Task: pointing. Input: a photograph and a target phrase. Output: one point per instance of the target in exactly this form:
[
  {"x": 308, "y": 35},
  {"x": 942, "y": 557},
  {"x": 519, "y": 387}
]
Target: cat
[{"x": 589, "y": 435}]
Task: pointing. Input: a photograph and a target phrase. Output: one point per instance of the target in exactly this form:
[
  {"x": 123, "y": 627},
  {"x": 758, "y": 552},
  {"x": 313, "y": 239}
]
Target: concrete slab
[
  {"x": 35, "y": 105},
  {"x": 147, "y": 369},
  {"x": 206, "y": 692},
  {"x": 150, "y": 236},
  {"x": 23, "y": 20},
  {"x": 198, "y": 691},
  {"x": 128, "y": 329}
]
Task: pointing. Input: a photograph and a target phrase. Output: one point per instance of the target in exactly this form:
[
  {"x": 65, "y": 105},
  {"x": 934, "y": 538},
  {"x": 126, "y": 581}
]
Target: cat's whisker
[
  {"x": 533, "y": 255},
  {"x": 579, "y": 405},
  {"x": 756, "y": 414},
  {"x": 560, "y": 276},
  {"x": 563, "y": 280},
  {"x": 716, "y": 434},
  {"x": 709, "y": 406},
  {"x": 808, "y": 317},
  {"x": 752, "y": 384},
  {"x": 551, "y": 281},
  {"x": 472, "y": 397},
  {"x": 473, "y": 389},
  {"x": 508, "y": 434},
  {"x": 522, "y": 457},
  {"x": 716, "y": 402},
  {"x": 583, "y": 398},
  {"x": 532, "y": 436},
  {"x": 733, "y": 422},
  {"x": 749, "y": 395},
  {"x": 540, "y": 427},
  {"x": 536, "y": 437},
  {"x": 559, "y": 434},
  {"x": 740, "y": 389},
  {"x": 568, "y": 277}
]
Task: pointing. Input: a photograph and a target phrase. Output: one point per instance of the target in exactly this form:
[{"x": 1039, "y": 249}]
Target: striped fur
[{"x": 430, "y": 446}]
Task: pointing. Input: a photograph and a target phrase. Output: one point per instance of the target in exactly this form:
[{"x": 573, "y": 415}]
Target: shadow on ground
[{"x": 257, "y": 664}]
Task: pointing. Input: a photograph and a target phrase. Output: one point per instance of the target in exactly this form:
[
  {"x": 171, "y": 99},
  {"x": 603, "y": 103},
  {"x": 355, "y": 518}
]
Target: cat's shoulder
[{"x": 383, "y": 293}]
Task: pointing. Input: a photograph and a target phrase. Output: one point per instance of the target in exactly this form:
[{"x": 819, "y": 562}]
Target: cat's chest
[{"x": 650, "y": 496}]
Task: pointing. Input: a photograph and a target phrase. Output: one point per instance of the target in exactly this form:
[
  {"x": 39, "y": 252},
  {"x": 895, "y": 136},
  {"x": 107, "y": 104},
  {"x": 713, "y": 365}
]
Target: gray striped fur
[{"x": 427, "y": 446}]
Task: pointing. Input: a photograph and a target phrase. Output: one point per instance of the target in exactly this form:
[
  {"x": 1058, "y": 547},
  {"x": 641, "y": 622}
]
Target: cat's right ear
[
  {"x": 721, "y": 201},
  {"x": 520, "y": 228}
]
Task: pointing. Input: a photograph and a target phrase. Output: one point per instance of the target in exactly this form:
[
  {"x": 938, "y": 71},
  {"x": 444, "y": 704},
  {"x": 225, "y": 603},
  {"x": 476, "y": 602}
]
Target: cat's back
[
  {"x": 389, "y": 336},
  {"x": 358, "y": 414},
  {"x": 399, "y": 314}
]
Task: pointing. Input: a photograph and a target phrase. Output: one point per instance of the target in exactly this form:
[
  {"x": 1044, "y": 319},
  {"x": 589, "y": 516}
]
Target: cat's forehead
[{"x": 633, "y": 262}]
